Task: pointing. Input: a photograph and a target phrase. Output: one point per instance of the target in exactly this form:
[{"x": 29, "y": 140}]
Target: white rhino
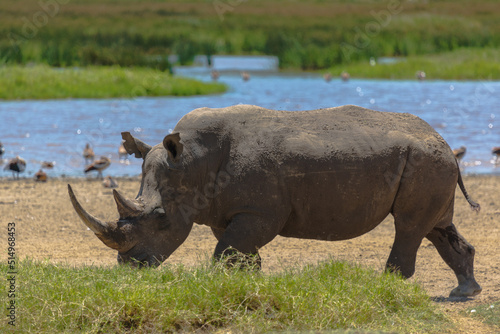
[{"x": 331, "y": 174}]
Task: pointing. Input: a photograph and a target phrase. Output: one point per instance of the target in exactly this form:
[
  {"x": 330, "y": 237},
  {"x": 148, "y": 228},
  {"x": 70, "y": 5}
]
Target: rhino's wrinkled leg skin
[
  {"x": 245, "y": 234},
  {"x": 459, "y": 255}
]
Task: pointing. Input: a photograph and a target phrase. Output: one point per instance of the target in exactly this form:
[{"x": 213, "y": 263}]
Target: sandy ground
[{"x": 48, "y": 228}]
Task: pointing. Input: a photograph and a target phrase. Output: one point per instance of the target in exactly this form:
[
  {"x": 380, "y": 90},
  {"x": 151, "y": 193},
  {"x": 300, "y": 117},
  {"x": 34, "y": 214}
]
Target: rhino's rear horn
[{"x": 126, "y": 207}]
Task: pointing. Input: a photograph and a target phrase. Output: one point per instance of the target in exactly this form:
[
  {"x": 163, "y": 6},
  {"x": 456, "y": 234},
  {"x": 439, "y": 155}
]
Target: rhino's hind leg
[
  {"x": 459, "y": 255},
  {"x": 404, "y": 254}
]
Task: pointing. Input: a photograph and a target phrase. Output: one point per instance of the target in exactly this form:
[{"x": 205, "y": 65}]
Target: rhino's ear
[
  {"x": 173, "y": 145},
  {"x": 135, "y": 146}
]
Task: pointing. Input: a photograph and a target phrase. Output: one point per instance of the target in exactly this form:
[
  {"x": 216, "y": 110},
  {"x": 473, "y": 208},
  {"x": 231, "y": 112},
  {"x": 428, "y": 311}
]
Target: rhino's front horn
[
  {"x": 92, "y": 222},
  {"x": 126, "y": 207}
]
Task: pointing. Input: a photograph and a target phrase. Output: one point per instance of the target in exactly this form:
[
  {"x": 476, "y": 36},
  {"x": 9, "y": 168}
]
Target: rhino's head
[{"x": 147, "y": 230}]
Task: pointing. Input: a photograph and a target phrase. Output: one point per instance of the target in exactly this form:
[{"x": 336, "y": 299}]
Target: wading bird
[
  {"x": 48, "y": 164},
  {"x": 459, "y": 153},
  {"x": 345, "y": 76},
  {"x": 99, "y": 166},
  {"x": 88, "y": 154},
  {"x": 245, "y": 76},
  {"x": 122, "y": 152},
  {"x": 496, "y": 153},
  {"x": 109, "y": 182},
  {"x": 215, "y": 75},
  {"x": 16, "y": 165},
  {"x": 41, "y": 176}
]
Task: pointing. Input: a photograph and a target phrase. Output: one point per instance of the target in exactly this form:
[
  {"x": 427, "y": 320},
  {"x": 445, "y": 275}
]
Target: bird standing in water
[{"x": 245, "y": 76}]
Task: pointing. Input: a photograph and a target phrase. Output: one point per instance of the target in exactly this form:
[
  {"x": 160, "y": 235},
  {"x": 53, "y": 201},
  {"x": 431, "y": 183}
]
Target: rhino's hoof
[{"x": 466, "y": 290}]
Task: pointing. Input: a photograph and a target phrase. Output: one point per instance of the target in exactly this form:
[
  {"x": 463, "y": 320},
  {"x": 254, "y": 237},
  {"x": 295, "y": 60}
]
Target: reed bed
[{"x": 306, "y": 35}]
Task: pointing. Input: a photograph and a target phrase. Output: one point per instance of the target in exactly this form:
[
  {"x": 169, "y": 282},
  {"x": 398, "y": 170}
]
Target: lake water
[{"x": 464, "y": 113}]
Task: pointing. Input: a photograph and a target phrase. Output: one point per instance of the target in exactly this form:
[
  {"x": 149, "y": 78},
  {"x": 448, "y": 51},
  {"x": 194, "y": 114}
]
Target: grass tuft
[
  {"x": 328, "y": 296},
  {"x": 489, "y": 313}
]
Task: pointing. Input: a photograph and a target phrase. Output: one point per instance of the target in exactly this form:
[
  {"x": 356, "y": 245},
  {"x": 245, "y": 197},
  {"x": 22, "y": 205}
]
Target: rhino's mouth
[{"x": 140, "y": 259}]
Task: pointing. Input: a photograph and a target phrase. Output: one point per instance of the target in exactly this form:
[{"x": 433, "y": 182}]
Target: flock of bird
[
  {"x": 459, "y": 153},
  {"x": 101, "y": 164},
  {"x": 344, "y": 76},
  {"x": 216, "y": 75},
  {"x": 17, "y": 165}
]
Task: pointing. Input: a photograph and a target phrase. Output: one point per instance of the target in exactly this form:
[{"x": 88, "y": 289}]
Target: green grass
[
  {"x": 43, "y": 82},
  {"x": 461, "y": 64},
  {"x": 330, "y": 296},
  {"x": 489, "y": 314},
  {"x": 306, "y": 34}
]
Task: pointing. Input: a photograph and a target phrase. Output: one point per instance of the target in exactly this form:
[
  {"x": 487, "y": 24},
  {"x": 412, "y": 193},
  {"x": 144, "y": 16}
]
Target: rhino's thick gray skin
[{"x": 332, "y": 174}]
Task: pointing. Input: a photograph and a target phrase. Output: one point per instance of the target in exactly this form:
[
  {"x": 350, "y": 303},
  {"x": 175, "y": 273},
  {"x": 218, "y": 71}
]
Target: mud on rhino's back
[{"x": 347, "y": 130}]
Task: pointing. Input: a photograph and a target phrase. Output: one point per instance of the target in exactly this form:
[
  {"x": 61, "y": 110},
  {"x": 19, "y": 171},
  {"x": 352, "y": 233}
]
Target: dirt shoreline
[{"x": 47, "y": 228}]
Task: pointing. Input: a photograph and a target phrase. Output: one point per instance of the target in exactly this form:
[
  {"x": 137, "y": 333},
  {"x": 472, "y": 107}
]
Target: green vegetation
[
  {"x": 43, "y": 82},
  {"x": 461, "y": 64},
  {"x": 54, "y": 298},
  {"x": 307, "y": 34},
  {"x": 489, "y": 314}
]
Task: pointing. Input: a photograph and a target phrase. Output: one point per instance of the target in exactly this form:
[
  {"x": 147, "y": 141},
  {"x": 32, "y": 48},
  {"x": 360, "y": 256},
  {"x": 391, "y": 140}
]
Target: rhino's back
[{"x": 341, "y": 131}]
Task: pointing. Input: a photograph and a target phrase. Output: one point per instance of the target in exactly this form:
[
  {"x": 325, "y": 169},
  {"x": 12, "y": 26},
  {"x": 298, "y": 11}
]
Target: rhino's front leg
[{"x": 243, "y": 237}]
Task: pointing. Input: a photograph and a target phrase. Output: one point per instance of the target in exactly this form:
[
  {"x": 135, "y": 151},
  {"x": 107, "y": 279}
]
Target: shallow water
[{"x": 464, "y": 113}]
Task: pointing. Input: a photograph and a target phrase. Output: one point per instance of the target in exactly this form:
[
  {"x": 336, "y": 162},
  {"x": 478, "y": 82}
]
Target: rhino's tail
[{"x": 473, "y": 205}]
